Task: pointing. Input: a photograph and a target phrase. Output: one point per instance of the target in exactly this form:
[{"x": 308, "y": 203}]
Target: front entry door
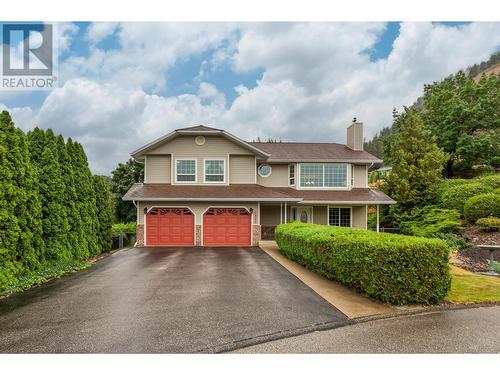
[{"x": 303, "y": 214}]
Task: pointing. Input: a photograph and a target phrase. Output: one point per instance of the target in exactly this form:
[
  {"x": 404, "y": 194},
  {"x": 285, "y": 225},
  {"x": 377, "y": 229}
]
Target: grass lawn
[{"x": 467, "y": 287}]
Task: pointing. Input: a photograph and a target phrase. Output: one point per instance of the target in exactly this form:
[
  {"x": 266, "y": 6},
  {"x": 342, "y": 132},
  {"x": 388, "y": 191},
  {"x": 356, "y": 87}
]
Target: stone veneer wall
[
  {"x": 140, "y": 234},
  {"x": 197, "y": 235},
  {"x": 256, "y": 235}
]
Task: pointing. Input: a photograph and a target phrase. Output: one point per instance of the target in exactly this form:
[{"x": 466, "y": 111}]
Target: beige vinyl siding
[
  {"x": 216, "y": 147},
  {"x": 360, "y": 176},
  {"x": 320, "y": 215},
  {"x": 197, "y": 207},
  {"x": 359, "y": 216},
  {"x": 278, "y": 177},
  {"x": 184, "y": 145},
  {"x": 269, "y": 215},
  {"x": 157, "y": 169},
  {"x": 241, "y": 169}
]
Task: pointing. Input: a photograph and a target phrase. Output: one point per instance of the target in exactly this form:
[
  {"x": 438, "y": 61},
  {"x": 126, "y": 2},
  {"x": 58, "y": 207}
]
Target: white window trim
[
  {"x": 195, "y": 171},
  {"x": 270, "y": 170},
  {"x": 205, "y": 174},
  {"x": 299, "y": 187},
  {"x": 294, "y": 174},
  {"x": 328, "y": 216}
]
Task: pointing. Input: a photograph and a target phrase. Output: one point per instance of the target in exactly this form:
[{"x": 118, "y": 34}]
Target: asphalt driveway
[{"x": 164, "y": 300}]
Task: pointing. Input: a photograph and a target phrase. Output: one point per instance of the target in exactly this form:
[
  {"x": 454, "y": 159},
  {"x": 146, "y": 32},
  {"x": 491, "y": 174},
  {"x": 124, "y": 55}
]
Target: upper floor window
[
  {"x": 214, "y": 170},
  {"x": 291, "y": 174},
  {"x": 323, "y": 175},
  {"x": 265, "y": 170},
  {"x": 185, "y": 170}
]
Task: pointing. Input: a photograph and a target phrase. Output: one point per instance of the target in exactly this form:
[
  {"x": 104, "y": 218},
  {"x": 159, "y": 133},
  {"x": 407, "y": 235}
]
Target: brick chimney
[{"x": 355, "y": 135}]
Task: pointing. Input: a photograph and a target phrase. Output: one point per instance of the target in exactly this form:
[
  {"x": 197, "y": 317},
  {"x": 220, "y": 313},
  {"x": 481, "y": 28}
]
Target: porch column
[
  {"x": 378, "y": 220},
  {"x": 285, "y": 214},
  {"x": 281, "y": 212}
]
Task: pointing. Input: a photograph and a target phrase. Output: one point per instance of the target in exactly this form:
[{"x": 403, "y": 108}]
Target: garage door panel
[
  {"x": 170, "y": 227},
  {"x": 227, "y": 227}
]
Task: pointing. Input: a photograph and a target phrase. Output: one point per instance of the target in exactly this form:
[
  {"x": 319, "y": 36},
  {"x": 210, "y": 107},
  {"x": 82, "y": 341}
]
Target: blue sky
[{"x": 292, "y": 81}]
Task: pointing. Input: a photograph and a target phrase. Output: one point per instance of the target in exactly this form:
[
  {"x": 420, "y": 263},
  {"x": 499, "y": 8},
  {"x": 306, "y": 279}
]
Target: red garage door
[
  {"x": 227, "y": 227},
  {"x": 170, "y": 227}
]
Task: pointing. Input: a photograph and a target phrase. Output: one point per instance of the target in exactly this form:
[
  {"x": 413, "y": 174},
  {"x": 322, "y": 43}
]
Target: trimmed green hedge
[
  {"x": 393, "y": 268},
  {"x": 482, "y": 205}
]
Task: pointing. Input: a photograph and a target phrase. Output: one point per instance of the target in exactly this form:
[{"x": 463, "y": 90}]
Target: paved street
[
  {"x": 474, "y": 330},
  {"x": 165, "y": 300}
]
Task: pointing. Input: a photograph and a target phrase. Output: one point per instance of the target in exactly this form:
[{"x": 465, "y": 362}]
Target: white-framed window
[
  {"x": 265, "y": 170},
  {"x": 323, "y": 175},
  {"x": 291, "y": 174},
  {"x": 185, "y": 170},
  {"x": 214, "y": 170},
  {"x": 339, "y": 216}
]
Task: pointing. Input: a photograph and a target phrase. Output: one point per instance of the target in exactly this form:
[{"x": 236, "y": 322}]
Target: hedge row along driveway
[{"x": 393, "y": 268}]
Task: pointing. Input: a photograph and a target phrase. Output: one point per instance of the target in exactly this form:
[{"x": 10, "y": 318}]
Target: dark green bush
[
  {"x": 482, "y": 205},
  {"x": 454, "y": 241},
  {"x": 455, "y": 196},
  {"x": 429, "y": 221},
  {"x": 484, "y": 170},
  {"x": 489, "y": 224},
  {"x": 393, "y": 268}
]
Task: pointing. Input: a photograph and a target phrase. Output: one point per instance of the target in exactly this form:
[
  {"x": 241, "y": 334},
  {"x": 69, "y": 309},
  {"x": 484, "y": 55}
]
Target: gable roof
[
  {"x": 198, "y": 130},
  {"x": 310, "y": 151}
]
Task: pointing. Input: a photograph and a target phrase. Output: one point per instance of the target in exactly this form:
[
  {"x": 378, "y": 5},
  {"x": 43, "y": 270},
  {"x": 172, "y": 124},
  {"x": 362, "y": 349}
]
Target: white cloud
[
  {"x": 316, "y": 78},
  {"x": 98, "y": 31}
]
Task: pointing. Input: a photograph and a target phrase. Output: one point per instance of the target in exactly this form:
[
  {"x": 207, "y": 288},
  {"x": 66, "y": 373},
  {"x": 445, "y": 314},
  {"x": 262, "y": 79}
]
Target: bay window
[{"x": 323, "y": 175}]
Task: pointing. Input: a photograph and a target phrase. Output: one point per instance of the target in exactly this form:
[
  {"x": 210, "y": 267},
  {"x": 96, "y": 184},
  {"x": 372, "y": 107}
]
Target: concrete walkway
[{"x": 352, "y": 304}]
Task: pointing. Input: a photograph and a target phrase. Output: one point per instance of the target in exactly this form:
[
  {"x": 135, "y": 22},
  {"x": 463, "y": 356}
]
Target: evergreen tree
[
  {"x": 104, "y": 214},
  {"x": 76, "y": 234},
  {"x": 416, "y": 160},
  {"x": 51, "y": 186},
  {"x": 10, "y": 195},
  {"x": 86, "y": 200},
  {"x": 123, "y": 177}
]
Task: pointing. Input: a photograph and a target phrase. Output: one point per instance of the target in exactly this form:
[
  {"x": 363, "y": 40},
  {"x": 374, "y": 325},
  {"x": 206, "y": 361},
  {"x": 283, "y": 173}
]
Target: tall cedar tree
[
  {"x": 122, "y": 178},
  {"x": 104, "y": 213},
  {"x": 76, "y": 234},
  {"x": 86, "y": 200},
  {"x": 20, "y": 226},
  {"x": 51, "y": 186},
  {"x": 464, "y": 116},
  {"x": 416, "y": 160}
]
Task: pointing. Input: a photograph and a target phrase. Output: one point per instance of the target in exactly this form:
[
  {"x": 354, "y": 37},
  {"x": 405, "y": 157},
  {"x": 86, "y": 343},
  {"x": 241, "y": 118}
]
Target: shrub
[
  {"x": 123, "y": 228},
  {"x": 493, "y": 180},
  {"x": 455, "y": 196},
  {"x": 393, "y": 268},
  {"x": 484, "y": 170},
  {"x": 482, "y": 205},
  {"x": 454, "y": 241},
  {"x": 489, "y": 224},
  {"x": 429, "y": 221}
]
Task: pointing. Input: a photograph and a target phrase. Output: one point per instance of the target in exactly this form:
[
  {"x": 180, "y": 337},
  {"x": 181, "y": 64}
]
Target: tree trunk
[{"x": 448, "y": 169}]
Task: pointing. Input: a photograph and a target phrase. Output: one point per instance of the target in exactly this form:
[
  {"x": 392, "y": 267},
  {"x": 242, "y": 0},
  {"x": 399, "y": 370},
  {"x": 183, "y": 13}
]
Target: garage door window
[
  {"x": 214, "y": 170},
  {"x": 185, "y": 170}
]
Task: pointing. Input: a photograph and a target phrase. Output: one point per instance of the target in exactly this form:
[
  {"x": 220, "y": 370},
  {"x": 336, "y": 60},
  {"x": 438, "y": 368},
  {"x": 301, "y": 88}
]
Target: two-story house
[{"x": 206, "y": 187}]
